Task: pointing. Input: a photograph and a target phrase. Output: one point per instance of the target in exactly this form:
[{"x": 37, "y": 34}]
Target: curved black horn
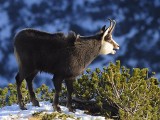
[
  {"x": 110, "y": 22},
  {"x": 113, "y": 26}
]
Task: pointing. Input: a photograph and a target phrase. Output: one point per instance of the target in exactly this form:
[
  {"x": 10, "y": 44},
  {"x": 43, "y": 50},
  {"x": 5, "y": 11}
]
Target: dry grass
[{"x": 34, "y": 118}]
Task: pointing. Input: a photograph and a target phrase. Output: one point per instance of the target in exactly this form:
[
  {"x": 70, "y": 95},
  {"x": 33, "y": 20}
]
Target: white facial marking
[
  {"x": 107, "y": 48},
  {"x": 116, "y": 45}
]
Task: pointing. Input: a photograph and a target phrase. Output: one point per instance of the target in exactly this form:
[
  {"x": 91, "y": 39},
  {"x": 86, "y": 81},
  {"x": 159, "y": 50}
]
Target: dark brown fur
[{"x": 64, "y": 56}]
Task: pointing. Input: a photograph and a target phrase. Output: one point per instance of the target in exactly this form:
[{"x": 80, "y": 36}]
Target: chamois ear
[{"x": 103, "y": 29}]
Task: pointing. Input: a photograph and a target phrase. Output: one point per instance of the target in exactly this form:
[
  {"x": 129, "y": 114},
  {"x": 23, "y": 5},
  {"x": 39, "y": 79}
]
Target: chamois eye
[{"x": 107, "y": 38}]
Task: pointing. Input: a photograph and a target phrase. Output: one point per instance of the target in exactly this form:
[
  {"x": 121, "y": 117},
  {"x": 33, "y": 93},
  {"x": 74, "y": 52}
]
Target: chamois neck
[{"x": 97, "y": 36}]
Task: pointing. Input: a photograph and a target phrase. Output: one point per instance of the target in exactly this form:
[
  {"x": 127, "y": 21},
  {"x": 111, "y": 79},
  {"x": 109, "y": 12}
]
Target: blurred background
[{"x": 137, "y": 30}]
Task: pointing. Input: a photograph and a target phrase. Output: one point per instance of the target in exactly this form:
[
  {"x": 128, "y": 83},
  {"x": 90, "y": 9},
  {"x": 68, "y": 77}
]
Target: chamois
[{"x": 65, "y": 56}]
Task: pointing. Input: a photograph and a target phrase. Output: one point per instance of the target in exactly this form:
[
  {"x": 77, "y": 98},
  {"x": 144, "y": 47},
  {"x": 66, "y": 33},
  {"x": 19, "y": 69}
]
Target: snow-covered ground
[{"x": 14, "y": 113}]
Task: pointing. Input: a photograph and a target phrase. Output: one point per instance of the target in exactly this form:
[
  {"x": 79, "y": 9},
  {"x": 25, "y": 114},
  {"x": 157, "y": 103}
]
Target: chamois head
[{"x": 108, "y": 44}]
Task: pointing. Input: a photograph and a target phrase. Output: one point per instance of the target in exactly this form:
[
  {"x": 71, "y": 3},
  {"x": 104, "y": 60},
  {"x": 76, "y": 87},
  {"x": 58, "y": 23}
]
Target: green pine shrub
[
  {"x": 12, "y": 94},
  {"x": 8, "y": 95},
  {"x": 25, "y": 93},
  {"x": 44, "y": 94},
  {"x": 131, "y": 92},
  {"x": 3, "y": 96}
]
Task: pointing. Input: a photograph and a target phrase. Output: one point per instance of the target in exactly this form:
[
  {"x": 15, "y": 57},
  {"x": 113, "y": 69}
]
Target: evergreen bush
[
  {"x": 115, "y": 90},
  {"x": 134, "y": 94}
]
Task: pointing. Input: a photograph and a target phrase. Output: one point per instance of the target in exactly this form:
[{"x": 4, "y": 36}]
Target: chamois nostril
[{"x": 117, "y": 47}]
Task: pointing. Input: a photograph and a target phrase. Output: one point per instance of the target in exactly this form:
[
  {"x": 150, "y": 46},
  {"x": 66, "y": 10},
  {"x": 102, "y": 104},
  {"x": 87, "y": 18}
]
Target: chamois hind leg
[
  {"x": 29, "y": 80},
  {"x": 19, "y": 80},
  {"x": 69, "y": 84},
  {"x": 57, "y": 81}
]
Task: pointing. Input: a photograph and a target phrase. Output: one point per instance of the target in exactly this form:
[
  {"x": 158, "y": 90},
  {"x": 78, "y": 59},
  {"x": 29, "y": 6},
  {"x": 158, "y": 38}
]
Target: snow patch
[{"x": 13, "y": 112}]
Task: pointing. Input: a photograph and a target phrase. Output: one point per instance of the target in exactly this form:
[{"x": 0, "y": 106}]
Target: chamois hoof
[
  {"x": 57, "y": 108},
  {"x": 70, "y": 108},
  {"x": 22, "y": 105},
  {"x": 23, "y": 108},
  {"x": 35, "y": 103}
]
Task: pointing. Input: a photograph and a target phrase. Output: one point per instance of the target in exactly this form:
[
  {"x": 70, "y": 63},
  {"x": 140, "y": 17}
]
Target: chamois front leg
[
  {"x": 57, "y": 81},
  {"x": 69, "y": 84}
]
